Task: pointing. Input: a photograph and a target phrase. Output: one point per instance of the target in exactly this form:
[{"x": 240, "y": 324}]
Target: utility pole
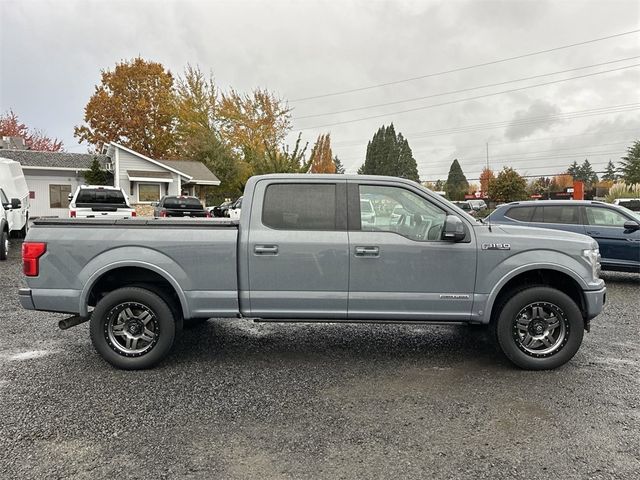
[{"x": 487, "y": 155}]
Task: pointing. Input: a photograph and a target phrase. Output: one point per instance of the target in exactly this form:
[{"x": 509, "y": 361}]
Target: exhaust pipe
[{"x": 72, "y": 322}]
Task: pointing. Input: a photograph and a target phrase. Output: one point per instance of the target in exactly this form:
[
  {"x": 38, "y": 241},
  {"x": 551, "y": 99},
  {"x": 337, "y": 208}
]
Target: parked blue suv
[{"x": 615, "y": 228}]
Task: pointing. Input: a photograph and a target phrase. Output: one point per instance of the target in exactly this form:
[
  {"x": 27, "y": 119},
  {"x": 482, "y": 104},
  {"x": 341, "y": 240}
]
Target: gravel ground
[{"x": 243, "y": 400}]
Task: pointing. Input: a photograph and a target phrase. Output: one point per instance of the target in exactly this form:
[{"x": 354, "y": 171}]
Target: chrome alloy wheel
[
  {"x": 131, "y": 329},
  {"x": 540, "y": 329}
]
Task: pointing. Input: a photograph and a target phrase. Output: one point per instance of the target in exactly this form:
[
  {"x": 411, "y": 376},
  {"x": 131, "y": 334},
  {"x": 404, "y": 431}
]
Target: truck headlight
[{"x": 592, "y": 256}]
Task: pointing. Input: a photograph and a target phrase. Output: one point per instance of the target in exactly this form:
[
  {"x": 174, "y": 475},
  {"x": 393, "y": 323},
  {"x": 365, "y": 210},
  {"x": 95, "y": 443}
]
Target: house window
[
  {"x": 148, "y": 192},
  {"x": 59, "y": 196}
]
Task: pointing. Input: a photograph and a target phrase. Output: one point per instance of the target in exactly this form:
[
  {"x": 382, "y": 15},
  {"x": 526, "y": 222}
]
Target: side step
[{"x": 72, "y": 322}]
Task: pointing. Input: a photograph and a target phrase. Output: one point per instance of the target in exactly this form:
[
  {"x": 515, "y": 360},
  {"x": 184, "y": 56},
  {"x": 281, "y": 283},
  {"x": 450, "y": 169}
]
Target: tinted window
[
  {"x": 522, "y": 214},
  {"x": 300, "y": 206},
  {"x": 3, "y": 197},
  {"x": 100, "y": 196},
  {"x": 185, "y": 202},
  {"x": 402, "y": 212},
  {"x": 567, "y": 214},
  {"x": 605, "y": 217}
]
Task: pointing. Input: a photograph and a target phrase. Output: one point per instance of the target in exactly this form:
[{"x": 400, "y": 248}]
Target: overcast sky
[{"x": 52, "y": 53}]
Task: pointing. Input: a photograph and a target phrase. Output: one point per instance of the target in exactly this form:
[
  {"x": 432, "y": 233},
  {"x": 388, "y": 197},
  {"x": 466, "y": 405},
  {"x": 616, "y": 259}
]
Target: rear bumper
[
  {"x": 594, "y": 302},
  {"x": 24, "y": 294}
]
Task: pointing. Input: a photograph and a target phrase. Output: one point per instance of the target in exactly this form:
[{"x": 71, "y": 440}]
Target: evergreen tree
[
  {"x": 338, "y": 164},
  {"x": 586, "y": 174},
  {"x": 457, "y": 183},
  {"x": 389, "y": 153},
  {"x": 96, "y": 175},
  {"x": 610, "y": 173},
  {"x": 574, "y": 169},
  {"x": 630, "y": 164}
]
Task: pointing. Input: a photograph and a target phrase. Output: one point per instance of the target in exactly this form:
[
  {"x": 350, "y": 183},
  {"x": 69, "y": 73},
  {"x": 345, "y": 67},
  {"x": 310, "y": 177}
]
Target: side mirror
[
  {"x": 70, "y": 197},
  {"x": 15, "y": 203},
  {"x": 631, "y": 226},
  {"x": 453, "y": 229},
  {"x": 155, "y": 204}
]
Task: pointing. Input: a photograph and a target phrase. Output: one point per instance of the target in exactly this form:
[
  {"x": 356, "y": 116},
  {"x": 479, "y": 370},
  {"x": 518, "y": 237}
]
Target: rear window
[
  {"x": 566, "y": 214},
  {"x": 522, "y": 214},
  {"x": 101, "y": 196},
  {"x": 300, "y": 206},
  {"x": 185, "y": 202}
]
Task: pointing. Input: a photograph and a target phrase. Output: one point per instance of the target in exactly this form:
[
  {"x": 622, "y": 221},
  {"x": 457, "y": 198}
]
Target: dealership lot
[{"x": 243, "y": 400}]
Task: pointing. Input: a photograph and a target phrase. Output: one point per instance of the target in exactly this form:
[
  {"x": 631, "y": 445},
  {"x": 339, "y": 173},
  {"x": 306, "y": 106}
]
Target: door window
[
  {"x": 522, "y": 214},
  {"x": 59, "y": 196},
  {"x": 566, "y": 214},
  {"x": 401, "y": 211},
  {"x": 605, "y": 217},
  {"x": 295, "y": 206}
]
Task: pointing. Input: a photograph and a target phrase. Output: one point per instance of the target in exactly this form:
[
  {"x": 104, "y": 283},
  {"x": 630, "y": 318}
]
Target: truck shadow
[{"x": 228, "y": 340}]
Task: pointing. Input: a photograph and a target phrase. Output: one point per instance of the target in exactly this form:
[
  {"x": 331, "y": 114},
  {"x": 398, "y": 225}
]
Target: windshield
[
  {"x": 631, "y": 213},
  {"x": 100, "y": 196}
]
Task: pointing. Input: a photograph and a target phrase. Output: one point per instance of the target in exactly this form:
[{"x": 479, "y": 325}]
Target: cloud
[{"x": 523, "y": 125}]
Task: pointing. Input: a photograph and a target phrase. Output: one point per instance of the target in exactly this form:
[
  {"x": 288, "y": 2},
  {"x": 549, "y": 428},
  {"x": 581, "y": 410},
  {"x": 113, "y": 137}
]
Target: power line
[
  {"x": 451, "y": 92},
  {"x": 537, "y": 175},
  {"x": 517, "y": 159},
  {"x": 460, "y": 69},
  {"x": 468, "y": 98},
  {"x": 503, "y": 123}
]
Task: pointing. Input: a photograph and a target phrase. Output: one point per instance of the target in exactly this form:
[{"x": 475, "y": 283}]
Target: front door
[
  {"x": 617, "y": 245},
  {"x": 400, "y": 268},
  {"x": 298, "y": 250}
]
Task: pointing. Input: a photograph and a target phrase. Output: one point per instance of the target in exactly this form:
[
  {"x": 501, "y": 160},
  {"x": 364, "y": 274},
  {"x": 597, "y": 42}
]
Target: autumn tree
[
  {"x": 485, "y": 177},
  {"x": 321, "y": 158},
  {"x": 508, "y": 186},
  {"x": 11, "y": 126},
  {"x": 457, "y": 184},
  {"x": 561, "y": 182},
  {"x": 630, "y": 164},
  {"x": 134, "y": 105},
  {"x": 253, "y": 123},
  {"x": 389, "y": 153},
  {"x": 283, "y": 160}
]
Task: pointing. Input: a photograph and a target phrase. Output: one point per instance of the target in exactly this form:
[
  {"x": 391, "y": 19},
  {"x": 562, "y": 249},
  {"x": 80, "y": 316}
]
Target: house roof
[
  {"x": 53, "y": 160},
  {"x": 198, "y": 171}
]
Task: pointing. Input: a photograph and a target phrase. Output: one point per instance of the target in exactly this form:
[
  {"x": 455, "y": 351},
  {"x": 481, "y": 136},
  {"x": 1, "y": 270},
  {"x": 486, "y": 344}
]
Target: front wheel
[
  {"x": 132, "y": 328},
  {"x": 539, "y": 328}
]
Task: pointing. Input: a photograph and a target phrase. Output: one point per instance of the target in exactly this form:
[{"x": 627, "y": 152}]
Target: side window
[
  {"x": 522, "y": 214},
  {"x": 560, "y": 214},
  {"x": 605, "y": 217},
  {"x": 400, "y": 211},
  {"x": 300, "y": 206},
  {"x": 3, "y": 197}
]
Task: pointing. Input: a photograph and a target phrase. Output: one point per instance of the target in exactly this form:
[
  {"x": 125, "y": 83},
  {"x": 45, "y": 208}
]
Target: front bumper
[
  {"x": 26, "y": 300},
  {"x": 594, "y": 302}
]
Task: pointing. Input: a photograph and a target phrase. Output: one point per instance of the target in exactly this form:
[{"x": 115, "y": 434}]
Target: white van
[{"x": 15, "y": 197}]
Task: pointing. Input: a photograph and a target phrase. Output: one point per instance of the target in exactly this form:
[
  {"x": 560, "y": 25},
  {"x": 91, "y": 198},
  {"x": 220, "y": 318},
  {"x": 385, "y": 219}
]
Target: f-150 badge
[{"x": 496, "y": 246}]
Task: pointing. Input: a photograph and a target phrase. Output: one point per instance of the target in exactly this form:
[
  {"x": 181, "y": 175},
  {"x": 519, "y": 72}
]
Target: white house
[{"x": 51, "y": 176}]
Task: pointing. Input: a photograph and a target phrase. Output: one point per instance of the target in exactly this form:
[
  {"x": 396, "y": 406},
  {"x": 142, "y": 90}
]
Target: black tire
[
  {"x": 108, "y": 328},
  {"x": 545, "y": 347},
  {"x": 25, "y": 229},
  {"x": 4, "y": 245}
]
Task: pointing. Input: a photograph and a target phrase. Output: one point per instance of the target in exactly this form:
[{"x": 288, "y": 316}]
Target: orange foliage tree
[
  {"x": 485, "y": 178},
  {"x": 321, "y": 156}
]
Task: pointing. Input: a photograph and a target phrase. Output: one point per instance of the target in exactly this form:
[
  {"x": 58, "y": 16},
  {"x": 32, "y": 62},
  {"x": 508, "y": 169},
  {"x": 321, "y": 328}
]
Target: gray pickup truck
[{"x": 302, "y": 251}]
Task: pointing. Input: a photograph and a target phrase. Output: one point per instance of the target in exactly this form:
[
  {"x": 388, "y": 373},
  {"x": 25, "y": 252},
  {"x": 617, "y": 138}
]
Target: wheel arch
[
  {"x": 130, "y": 273},
  {"x": 554, "y": 276}
]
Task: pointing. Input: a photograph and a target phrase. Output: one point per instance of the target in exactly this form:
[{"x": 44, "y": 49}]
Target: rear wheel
[
  {"x": 132, "y": 328},
  {"x": 4, "y": 245},
  {"x": 539, "y": 328}
]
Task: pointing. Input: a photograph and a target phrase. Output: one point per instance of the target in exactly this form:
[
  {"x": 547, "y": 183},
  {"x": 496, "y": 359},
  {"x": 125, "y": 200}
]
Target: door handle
[
  {"x": 593, "y": 232},
  {"x": 265, "y": 249},
  {"x": 367, "y": 251}
]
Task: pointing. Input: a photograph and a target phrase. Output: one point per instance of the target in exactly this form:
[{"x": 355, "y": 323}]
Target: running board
[{"x": 337, "y": 320}]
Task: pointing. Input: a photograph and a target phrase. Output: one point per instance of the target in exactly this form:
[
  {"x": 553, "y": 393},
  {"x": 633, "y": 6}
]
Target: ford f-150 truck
[{"x": 301, "y": 252}]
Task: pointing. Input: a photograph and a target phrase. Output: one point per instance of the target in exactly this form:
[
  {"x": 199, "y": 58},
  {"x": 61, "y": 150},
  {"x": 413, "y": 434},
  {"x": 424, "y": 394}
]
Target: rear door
[
  {"x": 298, "y": 249},
  {"x": 400, "y": 268},
  {"x": 617, "y": 245},
  {"x": 558, "y": 217}
]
